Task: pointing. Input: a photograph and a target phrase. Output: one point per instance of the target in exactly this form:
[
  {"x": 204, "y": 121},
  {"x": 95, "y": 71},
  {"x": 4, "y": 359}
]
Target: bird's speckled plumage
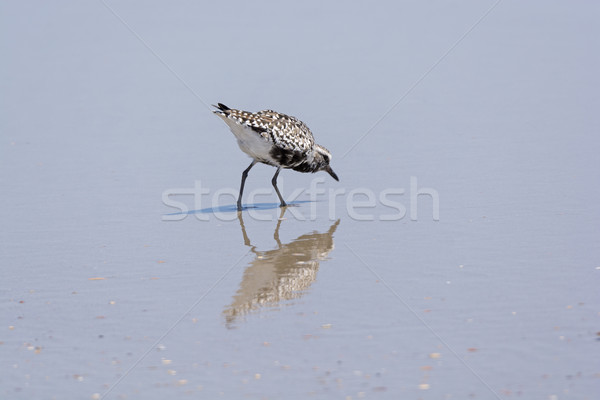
[
  {"x": 282, "y": 130},
  {"x": 285, "y": 140}
]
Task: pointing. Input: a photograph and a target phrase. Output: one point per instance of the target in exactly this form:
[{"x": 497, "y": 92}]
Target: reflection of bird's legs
[
  {"x": 333, "y": 227},
  {"x": 276, "y": 233},
  {"x": 246, "y": 238}
]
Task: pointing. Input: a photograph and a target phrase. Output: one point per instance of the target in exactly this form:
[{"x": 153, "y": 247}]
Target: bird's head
[{"x": 323, "y": 158}]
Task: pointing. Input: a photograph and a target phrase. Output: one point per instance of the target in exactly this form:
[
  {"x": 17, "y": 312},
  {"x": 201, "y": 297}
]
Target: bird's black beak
[{"x": 333, "y": 174}]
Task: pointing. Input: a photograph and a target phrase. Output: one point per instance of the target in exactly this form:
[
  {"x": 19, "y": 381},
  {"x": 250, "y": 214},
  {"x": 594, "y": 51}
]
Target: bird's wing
[
  {"x": 286, "y": 132},
  {"x": 244, "y": 118}
]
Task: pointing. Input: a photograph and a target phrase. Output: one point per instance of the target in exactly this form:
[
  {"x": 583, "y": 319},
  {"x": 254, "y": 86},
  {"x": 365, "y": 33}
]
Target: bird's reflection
[{"x": 280, "y": 274}]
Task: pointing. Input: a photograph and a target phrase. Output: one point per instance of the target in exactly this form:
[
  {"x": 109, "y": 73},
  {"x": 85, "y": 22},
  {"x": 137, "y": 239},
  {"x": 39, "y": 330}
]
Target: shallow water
[{"x": 456, "y": 258}]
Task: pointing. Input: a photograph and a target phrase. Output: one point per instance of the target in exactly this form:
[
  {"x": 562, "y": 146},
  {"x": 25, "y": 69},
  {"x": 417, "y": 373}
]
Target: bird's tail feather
[{"x": 221, "y": 108}]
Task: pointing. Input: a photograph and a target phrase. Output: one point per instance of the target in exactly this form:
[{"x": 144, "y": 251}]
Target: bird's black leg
[
  {"x": 274, "y": 182},
  {"x": 244, "y": 176}
]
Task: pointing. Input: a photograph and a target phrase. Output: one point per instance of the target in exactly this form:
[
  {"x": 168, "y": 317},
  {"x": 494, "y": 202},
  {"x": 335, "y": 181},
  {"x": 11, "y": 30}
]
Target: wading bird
[{"x": 275, "y": 139}]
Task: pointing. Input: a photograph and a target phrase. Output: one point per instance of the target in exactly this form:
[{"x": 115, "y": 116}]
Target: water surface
[{"x": 108, "y": 291}]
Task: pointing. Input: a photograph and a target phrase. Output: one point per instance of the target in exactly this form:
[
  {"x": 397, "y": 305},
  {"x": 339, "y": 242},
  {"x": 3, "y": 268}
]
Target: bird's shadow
[{"x": 233, "y": 208}]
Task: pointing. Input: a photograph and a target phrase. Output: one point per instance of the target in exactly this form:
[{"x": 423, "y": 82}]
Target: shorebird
[{"x": 275, "y": 139}]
